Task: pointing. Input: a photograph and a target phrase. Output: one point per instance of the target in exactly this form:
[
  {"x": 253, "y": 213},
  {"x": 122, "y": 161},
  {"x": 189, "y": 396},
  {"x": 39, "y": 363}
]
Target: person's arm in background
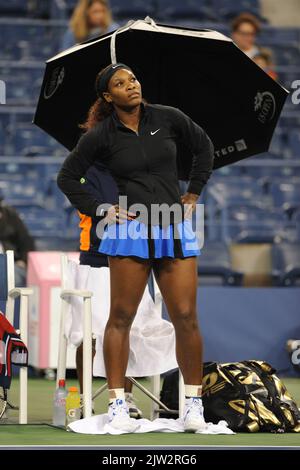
[{"x": 70, "y": 176}]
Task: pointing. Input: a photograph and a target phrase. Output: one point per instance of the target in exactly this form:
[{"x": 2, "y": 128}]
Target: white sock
[
  {"x": 194, "y": 391},
  {"x": 116, "y": 394},
  {"x": 128, "y": 395}
]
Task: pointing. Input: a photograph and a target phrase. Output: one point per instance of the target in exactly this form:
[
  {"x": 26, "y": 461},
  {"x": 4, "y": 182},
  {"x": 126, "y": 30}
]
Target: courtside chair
[
  {"x": 8, "y": 294},
  {"x": 69, "y": 290}
]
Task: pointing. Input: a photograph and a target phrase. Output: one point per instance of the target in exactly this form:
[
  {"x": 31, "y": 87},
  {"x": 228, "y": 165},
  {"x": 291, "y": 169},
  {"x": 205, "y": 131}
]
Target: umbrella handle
[{"x": 113, "y": 54}]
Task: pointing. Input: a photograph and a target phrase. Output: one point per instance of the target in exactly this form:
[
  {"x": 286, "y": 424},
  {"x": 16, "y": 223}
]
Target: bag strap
[{"x": 274, "y": 399}]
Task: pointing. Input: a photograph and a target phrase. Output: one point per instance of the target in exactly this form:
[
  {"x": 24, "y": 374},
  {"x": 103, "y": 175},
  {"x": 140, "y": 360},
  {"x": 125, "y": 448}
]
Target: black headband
[{"x": 102, "y": 83}]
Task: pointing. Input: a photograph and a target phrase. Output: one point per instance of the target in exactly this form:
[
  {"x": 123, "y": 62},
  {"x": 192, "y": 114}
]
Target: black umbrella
[{"x": 201, "y": 72}]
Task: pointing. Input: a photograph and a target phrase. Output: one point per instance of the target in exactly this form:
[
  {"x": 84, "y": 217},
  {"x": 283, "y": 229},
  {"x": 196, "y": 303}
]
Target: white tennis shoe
[
  {"x": 119, "y": 418},
  {"x": 193, "y": 417}
]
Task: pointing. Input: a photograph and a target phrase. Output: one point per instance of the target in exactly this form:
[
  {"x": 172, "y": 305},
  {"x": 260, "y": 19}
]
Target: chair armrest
[
  {"x": 18, "y": 291},
  {"x": 85, "y": 294}
]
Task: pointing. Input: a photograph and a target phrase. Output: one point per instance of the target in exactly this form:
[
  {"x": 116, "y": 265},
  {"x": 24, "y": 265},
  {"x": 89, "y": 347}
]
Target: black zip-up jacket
[{"x": 145, "y": 164}]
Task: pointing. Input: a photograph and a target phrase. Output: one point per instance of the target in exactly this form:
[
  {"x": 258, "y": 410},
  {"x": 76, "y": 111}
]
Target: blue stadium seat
[
  {"x": 41, "y": 222},
  {"x": 19, "y": 89},
  {"x": 290, "y": 120},
  {"x": 25, "y": 136},
  {"x": 286, "y": 55},
  {"x": 251, "y": 224},
  {"x": 266, "y": 173},
  {"x": 2, "y": 139},
  {"x": 5, "y": 118},
  {"x": 34, "y": 172},
  {"x": 10, "y": 179},
  {"x": 228, "y": 190},
  {"x": 296, "y": 221},
  {"x": 54, "y": 197},
  {"x": 192, "y": 9},
  {"x": 35, "y": 151},
  {"x": 214, "y": 266},
  {"x": 277, "y": 145},
  {"x": 229, "y": 8},
  {"x": 22, "y": 83},
  {"x": 30, "y": 40},
  {"x": 286, "y": 194},
  {"x": 135, "y": 8},
  {"x": 23, "y": 194},
  {"x": 13, "y": 7},
  {"x": 71, "y": 3},
  {"x": 47, "y": 171},
  {"x": 62, "y": 10},
  {"x": 229, "y": 170},
  {"x": 294, "y": 141},
  {"x": 54, "y": 243},
  {"x": 271, "y": 35},
  {"x": 286, "y": 76},
  {"x": 286, "y": 264}
]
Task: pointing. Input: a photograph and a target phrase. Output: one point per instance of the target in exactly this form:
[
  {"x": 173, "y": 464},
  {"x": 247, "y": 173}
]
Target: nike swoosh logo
[{"x": 154, "y": 132}]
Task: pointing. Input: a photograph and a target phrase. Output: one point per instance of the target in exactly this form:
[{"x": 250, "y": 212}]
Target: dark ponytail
[{"x": 99, "y": 110}]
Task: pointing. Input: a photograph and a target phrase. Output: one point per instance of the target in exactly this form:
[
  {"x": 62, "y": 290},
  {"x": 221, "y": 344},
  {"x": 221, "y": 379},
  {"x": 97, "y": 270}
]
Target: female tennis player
[{"x": 137, "y": 141}]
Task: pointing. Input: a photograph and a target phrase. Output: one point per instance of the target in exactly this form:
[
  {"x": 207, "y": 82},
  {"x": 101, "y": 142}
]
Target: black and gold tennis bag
[{"x": 247, "y": 394}]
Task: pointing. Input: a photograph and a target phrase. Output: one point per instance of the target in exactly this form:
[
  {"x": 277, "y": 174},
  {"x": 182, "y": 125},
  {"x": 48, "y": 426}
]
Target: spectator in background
[
  {"x": 15, "y": 236},
  {"x": 90, "y": 18},
  {"x": 264, "y": 61},
  {"x": 244, "y": 30}
]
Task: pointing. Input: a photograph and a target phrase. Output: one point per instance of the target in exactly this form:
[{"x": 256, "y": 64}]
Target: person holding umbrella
[{"x": 137, "y": 141}]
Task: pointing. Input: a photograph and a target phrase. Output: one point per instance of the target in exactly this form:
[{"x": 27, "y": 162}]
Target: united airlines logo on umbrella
[
  {"x": 54, "y": 82},
  {"x": 265, "y": 106}
]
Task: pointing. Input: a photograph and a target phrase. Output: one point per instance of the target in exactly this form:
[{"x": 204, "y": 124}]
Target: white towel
[
  {"x": 152, "y": 339},
  {"x": 99, "y": 425}
]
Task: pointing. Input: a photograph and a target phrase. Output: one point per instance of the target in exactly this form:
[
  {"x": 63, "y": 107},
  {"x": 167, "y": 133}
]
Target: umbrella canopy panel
[{"x": 67, "y": 92}]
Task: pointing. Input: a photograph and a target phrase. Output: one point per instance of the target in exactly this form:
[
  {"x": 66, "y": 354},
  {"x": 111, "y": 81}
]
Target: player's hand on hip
[
  {"x": 117, "y": 214},
  {"x": 189, "y": 200}
]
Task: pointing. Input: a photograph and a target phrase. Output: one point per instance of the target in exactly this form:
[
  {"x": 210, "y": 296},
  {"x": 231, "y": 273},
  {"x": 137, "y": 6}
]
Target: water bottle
[
  {"x": 59, "y": 405},
  {"x": 73, "y": 410}
]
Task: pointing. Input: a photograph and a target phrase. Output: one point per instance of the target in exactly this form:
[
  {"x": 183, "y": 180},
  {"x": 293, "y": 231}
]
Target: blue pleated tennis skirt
[{"x": 134, "y": 238}]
